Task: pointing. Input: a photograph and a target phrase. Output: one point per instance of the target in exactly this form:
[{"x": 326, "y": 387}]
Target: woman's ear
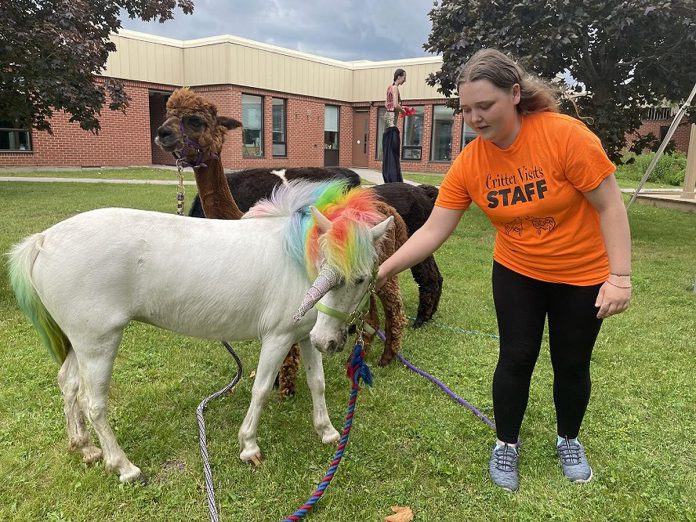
[{"x": 516, "y": 93}]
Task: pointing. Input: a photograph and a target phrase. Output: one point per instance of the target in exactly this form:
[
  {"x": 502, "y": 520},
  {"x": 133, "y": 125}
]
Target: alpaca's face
[{"x": 190, "y": 116}]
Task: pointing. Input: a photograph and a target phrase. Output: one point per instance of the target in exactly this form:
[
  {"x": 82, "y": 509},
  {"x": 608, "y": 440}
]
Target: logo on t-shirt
[
  {"x": 516, "y": 226},
  {"x": 522, "y": 186}
]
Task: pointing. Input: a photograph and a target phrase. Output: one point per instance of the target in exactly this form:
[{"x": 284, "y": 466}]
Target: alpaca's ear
[{"x": 228, "y": 123}]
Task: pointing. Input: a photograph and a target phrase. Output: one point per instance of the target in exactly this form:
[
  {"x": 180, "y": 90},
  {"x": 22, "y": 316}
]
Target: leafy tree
[
  {"x": 50, "y": 51},
  {"x": 628, "y": 54}
]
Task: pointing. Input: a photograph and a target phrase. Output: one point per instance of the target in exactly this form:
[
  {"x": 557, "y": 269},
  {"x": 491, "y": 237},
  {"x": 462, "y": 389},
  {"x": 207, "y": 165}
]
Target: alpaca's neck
[{"x": 214, "y": 192}]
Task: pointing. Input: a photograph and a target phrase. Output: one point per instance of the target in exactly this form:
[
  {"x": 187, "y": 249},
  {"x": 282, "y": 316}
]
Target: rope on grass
[
  {"x": 442, "y": 385},
  {"x": 203, "y": 442}
]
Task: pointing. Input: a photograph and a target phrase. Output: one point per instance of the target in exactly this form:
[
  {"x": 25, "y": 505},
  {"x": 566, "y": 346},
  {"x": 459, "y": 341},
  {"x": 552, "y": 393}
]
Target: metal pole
[{"x": 663, "y": 145}]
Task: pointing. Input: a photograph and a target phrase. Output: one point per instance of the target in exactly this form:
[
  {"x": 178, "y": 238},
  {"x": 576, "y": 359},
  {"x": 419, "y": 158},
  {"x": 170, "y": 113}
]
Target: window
[
  {"x": 13, "y": 137},
  {"x": 441, "y": 144},
  {"x": 380, "y": 130},
  {"x": 468, "y": 134},
  {"x": 413, "y": 135},
  {"x": 331, "y": 127},
  {"x": 252, "y": 119},
  {"x": 279, "y": 127},
  {"x": 663, "y": 132}
]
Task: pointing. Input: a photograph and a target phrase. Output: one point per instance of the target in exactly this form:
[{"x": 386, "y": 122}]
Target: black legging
[
  {"x": 391, "y": 165},
  {"x": 521, "y": 305}
]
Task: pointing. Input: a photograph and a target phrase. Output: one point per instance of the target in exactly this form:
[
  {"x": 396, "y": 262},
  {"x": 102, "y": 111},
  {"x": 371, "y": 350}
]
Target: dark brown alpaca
[
  {"x": 414, "y": 204},
  {"x": 250, "y": 185}
]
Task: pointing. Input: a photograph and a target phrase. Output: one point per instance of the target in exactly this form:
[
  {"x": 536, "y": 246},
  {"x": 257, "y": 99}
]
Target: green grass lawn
[
  {"x": 149, "y": 173},
  {"x": 410, "y": 445},
  {"x": 623, "y": 180},
  {"x": 628, "y": 176}
]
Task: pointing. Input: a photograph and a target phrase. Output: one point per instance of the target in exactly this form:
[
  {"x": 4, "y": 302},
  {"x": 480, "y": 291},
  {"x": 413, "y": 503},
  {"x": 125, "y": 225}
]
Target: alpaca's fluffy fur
[{"x": 414, "y": 204}]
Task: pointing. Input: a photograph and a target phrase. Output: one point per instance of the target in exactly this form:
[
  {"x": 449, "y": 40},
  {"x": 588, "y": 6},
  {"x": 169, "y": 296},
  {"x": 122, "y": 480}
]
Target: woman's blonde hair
[{"x": 499, "y": 69}]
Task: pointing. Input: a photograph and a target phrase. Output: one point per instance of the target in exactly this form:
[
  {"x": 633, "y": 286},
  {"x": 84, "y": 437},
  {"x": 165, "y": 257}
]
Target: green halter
[{"x": 356, "y": 317}]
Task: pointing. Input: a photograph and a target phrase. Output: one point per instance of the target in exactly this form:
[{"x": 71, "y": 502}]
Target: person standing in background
[{"x": 391, "y": 139}]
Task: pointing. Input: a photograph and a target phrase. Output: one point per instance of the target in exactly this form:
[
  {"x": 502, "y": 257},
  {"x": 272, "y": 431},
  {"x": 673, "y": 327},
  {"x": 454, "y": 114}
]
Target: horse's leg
[
  {"x": 314, "y": 368},
  {"x": 78, "y": 436},
  {"x": 394, "y": 319},
  {"x": 96, "y": 361},
  {"x": 427, "y": 276},
  {"x": 273, "y": 350}
]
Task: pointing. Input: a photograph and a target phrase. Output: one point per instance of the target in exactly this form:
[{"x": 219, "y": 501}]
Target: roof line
[{"x": 238, "y": 40}]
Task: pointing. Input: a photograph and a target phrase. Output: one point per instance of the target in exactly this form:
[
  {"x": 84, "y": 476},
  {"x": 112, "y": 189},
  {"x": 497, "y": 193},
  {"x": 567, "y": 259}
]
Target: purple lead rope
[{"x": 441, "y": 385}]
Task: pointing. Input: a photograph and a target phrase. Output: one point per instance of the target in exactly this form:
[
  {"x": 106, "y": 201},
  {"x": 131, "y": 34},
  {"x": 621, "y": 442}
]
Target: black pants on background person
[
  {"x": 391, "y": 166},
  {"x": 522, "y": 305}
]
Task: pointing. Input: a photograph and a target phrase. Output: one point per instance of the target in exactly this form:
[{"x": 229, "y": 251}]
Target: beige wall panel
[
  {"x": 205, "y": 65},
  {"x": 228, "y": 61},
  {"x": 371, "y": 83},
  {"x": 145, "y": 61}
]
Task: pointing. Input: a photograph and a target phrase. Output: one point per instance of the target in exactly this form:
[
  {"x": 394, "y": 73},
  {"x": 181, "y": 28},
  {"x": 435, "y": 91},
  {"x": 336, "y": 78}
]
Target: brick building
[{"x": 297, "y": 109}]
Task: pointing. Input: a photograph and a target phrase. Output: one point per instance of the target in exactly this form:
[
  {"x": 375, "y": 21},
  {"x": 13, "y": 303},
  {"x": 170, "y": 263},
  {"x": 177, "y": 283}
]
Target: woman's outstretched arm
[{"x": 425, "y": 241}]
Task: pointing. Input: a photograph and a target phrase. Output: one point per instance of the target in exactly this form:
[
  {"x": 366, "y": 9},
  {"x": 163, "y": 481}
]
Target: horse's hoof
[
  {"x": 420, "y": 321},
  {"x": 331, "y": 437},
  {"x": 91, "y": 454},
  {"x": 134, "y": 475},
  {"x": 255, "y": 459}
]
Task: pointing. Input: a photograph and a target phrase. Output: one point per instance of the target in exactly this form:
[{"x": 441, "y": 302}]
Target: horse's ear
[
  {"x": 228, "y": 123},
  {"x": 381, "y": 228},
  {"x": 321, "y": 220}
]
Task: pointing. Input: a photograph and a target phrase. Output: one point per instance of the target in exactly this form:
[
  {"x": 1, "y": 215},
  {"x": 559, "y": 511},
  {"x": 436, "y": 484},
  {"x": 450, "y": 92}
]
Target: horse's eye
[{"x": 359, "y": 280}]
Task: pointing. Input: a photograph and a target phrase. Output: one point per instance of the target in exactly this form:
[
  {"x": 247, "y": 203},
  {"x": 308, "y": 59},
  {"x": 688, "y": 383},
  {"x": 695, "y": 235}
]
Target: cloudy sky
[{"x": 339, "y": 29}]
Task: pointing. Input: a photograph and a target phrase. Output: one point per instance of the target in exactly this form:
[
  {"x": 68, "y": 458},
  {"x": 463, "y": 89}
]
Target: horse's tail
[{"x": 22, "y": 258}]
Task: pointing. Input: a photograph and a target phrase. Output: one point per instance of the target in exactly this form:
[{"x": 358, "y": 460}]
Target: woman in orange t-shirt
[{"x": 562, "y": 248}]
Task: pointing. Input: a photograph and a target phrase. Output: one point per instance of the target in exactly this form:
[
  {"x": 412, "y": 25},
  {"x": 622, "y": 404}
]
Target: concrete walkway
[
  {"x": 373, "y": 176},
  {"x": 96, "y": 180}
]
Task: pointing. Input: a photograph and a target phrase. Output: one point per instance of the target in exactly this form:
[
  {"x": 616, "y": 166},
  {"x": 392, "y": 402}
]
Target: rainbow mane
[{"x": 348, "y": 247}]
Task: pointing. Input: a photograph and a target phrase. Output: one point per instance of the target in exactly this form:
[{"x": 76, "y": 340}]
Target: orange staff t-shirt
[{"x": 532, "y": 193}]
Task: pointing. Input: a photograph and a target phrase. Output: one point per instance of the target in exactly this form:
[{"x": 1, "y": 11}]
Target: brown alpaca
[
  {"x": 195, "y": 131},
  {"x": 389, "y": 294}
]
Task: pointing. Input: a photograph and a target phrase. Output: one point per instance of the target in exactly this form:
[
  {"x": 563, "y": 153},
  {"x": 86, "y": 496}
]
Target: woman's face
[
  {"x": 400, "y": 80},
  {"x": 490, "y": 111}
]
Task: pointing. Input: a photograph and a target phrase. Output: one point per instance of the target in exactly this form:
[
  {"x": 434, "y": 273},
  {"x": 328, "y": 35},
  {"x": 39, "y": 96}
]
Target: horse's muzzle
[{"x": 330, "y": 345}]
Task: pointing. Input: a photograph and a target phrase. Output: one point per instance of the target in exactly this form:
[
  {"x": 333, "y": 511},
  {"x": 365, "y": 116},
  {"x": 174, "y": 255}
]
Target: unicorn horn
[{"x": 325, "y": 281}]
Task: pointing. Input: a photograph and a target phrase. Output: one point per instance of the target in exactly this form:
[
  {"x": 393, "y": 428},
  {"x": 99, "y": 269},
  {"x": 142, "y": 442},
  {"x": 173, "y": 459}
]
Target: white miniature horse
[{"x": 84, "y": 279}]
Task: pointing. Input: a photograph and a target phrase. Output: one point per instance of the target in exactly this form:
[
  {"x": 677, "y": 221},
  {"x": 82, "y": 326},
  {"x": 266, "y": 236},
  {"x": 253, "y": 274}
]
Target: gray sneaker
[
  {"x": 503, "y": 467},
  {"x": 573, "y": 461}
]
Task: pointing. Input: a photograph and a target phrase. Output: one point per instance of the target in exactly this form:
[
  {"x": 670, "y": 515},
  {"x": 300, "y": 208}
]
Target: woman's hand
[
  {"x": 381, "y": 278},
  {"x": 614, "y": 296}
]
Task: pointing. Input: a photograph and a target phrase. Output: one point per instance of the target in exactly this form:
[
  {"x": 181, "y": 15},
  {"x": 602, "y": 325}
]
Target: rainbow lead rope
[{"x": 356, "y": 369}]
